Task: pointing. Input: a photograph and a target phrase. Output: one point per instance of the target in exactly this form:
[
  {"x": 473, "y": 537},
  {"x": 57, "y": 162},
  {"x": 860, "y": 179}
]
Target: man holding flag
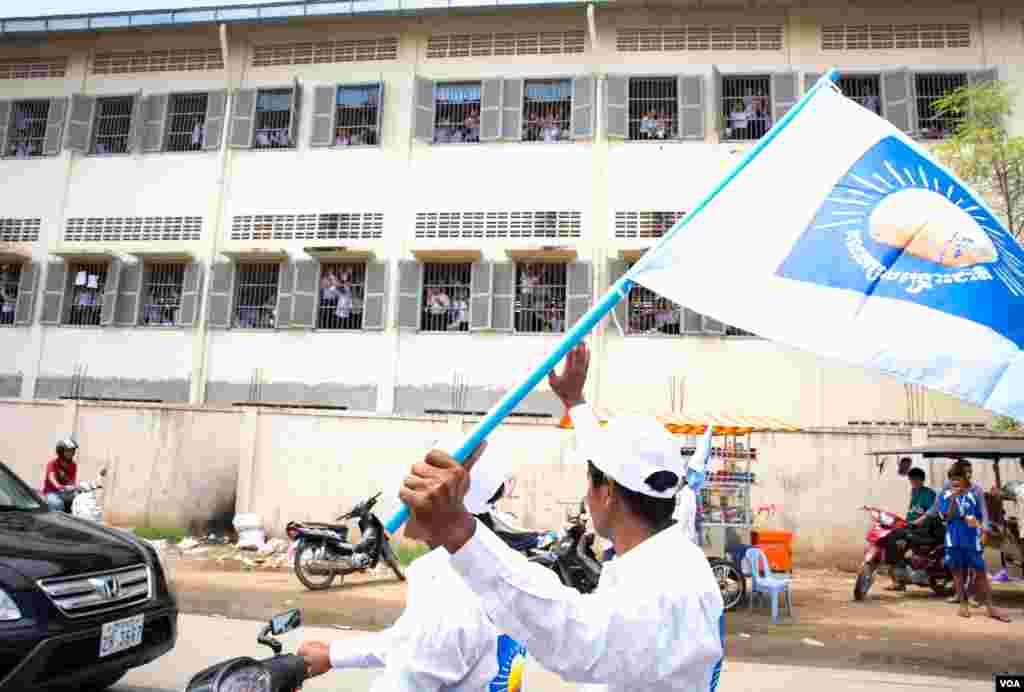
[{"x": 644, "y": 627}]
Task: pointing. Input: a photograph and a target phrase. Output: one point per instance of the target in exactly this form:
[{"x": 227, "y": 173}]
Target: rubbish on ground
[
  {"x": 744, "y": 635},
  {"x": 812, "y": 642},
  {"x": 250, "y": 531},
  {"x": 188, "y": 543},
  {"x": 274, "y": 546}
]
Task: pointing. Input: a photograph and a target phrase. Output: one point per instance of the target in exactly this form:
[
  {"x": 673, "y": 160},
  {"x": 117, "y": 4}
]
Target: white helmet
[{"x": 65, "y": 444}]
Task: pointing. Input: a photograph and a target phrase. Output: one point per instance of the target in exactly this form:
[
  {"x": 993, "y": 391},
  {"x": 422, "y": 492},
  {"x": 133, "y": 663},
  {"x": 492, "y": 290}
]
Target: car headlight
[{"x": 9, "y": 610}]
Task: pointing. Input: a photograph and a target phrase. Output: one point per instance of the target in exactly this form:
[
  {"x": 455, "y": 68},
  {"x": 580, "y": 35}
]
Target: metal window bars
[
  {"x": 540, "y": 297},
  {"x": 930, "y": 87},
  {"x": 27, "y": 129},
  {"x": 357, "y": 116},
  {"x": 342, "y": 289},
  {"x": 273, "y": 119},
  {"x": 10, "y": 276},
  {"x": 653, "y": 108},
  {"x": 446, "y": 297},
  {"x": 547, "y": 110},
  {"x": 650, "y": 313},
  {"x": 864, "y": 89},
  {"x": 162, "y": 297},
  {"x": 746, "y": 107},
  {"x": 113, "y": 125},
  {"x": 457, "y": 113},
  {"x": 87, "y": 284},
  {"x": 186, "y": 123},
  {"x": 256, "y": 295}
]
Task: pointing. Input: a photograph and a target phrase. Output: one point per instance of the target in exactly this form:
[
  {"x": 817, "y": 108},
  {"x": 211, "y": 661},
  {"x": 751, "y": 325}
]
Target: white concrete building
[{"x": 398, "y": 208}]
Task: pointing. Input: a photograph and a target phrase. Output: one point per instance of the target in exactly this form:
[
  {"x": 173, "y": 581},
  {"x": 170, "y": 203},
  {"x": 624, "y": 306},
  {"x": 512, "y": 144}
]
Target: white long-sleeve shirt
[
  {"x": 686, "y": 513},
  {"x": 443, "y": 640}
]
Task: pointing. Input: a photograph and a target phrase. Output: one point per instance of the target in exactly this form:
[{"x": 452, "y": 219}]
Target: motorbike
[
  {"x": 81, "y": 500},
  {"x": 279, "y": 673},
  {"x": 323, "y": 552},
  {"x": 926, "y": 566},
  {"x": 571, "y": 554}
]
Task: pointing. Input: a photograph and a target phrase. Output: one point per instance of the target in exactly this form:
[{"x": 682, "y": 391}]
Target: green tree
[
  {"x": 982, "y": 151},
  {"x": 1005, "y": 424}
]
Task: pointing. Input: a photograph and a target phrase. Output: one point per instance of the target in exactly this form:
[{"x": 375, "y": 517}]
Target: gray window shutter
[
  {"x": 306, "y": 297},
  {"x": 110, "y": 289},
  {"x": 325, "y": 110},
  {"x": 375, "y": 298},
  {"x": 243, "y": 118},
  {"x": 480, "y": 283},
  {"x": 83, "y": 111},
  {"x": 5, "y": 119},
  {"x": 410, "y": 294},
  {"x": 222, "y": 283},
  {"x": 136, "y": 126},
  {"x": 897, "y": 99},
  {"x": 583, "y": 107},
  {"x": 784, "y": 94},
  {"x": 423, "y": 116},
  {"x": 579, "y": 291},
  {"x": 718, "y": 121},
  {"x": 191, "y": 294},
  {"x": 154, "y": 122},
  {"x": 693, "y": 321},
  {"x": 380, "y": 114},
  {"x": 285, "y": 286},
  {"x": 810, "y": 79},
  {"x": 26, "y": 294},
  {"x": 986, "y": 76},
  {"x": 616, "y": 99},
  {"x": 512, "y": 110},
  {"x": 616, "y": 269},
  {"x": 490, "y": 110},
  {"x": 692, "y": 108},
  {"x": 712, "y": 326},
  {"x": 503, "y": 303},
  {"x": 295, "y": 115},
  {"x": 213, "y": 126},
  {"x": 53, "y": 293},
  {"x": 127, "y": 312},
  {"x": 55, "y": 118}
]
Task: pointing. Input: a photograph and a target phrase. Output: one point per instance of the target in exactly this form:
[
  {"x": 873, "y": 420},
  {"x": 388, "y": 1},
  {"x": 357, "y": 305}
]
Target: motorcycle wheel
[
  {"x": 865, "y": 578},
  {"x": 940, "y": 585},
  {"x": 731, "y": 582},
  {"x": 311, "y": 581},
  {"x": 396, "y": 567}
]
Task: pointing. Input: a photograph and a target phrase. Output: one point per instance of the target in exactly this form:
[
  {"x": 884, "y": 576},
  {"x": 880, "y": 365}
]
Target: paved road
[{"x": 203, "y": 641}]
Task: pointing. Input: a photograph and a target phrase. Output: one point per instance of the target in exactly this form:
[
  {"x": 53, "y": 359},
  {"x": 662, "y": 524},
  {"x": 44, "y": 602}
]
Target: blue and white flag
[
  {"x": 842, "y": 237},
  {"x": 697, "y": 466}
]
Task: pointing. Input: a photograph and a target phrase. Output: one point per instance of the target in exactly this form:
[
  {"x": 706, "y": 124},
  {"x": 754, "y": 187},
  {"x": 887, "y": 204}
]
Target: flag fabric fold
[{"x": 697, "y": 466}]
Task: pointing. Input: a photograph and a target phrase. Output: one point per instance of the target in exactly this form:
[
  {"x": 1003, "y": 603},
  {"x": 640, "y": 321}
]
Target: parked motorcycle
[
  {"x": 280, "y": 673},
  {"x": 81, "y": 500},
  {"x": 323, "y": 552},
  {"x": 571, "y": 555},
  {"x": 926, "y": 566}
]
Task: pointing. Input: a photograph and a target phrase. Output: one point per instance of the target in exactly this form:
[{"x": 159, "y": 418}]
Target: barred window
[
  {"x": 256, "y": 295},
  {"x": 653, "y": 108},
  {"x": 342, "y": 289},
  {"x": 162, "y": 294},
  {"x": 457, "y": 113},
  {"x": 27, "y": 129},
  {"x": 649, "y": 313},
  {"x": 10, "y": 276},
  {"x": 113, "y": 126},
  {"x": 746, "y": 108},
  {"x": 273, "y": 119},
  {"x": 186, "y": 122},
  {"x": 540, "y": 297},
  {"x": 864, "y": 89},
  {"x": 357, "y": 115},
  {"x": 547, "y": 110},
  {"x": 87, "y": 284},
  {"x": 446, "y": 297},
  {"x": 929, "y": 88}
]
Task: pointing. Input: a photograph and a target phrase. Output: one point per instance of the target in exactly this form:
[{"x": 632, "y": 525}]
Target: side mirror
[{"x": 286, "y": 622}]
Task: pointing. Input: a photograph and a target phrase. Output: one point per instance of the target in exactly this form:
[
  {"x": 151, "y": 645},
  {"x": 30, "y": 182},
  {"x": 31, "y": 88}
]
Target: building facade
[{"x": 400, "y": 212}]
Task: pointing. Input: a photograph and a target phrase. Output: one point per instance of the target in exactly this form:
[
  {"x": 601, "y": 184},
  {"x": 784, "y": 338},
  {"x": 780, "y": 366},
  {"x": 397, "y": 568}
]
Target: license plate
[{"x": 120, "y": 635}]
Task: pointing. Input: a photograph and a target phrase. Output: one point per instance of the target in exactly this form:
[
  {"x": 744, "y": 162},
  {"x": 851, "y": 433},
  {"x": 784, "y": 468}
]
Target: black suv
[{"x": 80, "y": 603}]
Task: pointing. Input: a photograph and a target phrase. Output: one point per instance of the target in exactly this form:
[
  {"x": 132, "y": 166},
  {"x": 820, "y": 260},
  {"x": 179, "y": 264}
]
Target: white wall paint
[{"x": 142, "y": 353}]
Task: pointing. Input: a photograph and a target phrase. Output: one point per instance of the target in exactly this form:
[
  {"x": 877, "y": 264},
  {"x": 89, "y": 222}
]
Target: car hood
[{"x": 40, "y": 545}]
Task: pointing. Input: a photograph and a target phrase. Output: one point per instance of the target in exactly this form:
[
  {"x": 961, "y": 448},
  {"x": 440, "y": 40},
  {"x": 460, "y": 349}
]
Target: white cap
[
  {"x": 631, "y": 449},
  {"x": 487, "y": 475}
]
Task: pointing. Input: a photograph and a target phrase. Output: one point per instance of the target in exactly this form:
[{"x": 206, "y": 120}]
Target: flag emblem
[
  {"x": 898, "y": 226},
  {"x": 511, "y": 665}
]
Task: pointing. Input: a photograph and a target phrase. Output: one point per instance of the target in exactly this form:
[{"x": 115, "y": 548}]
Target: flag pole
[{"x": 619, "y": 290}]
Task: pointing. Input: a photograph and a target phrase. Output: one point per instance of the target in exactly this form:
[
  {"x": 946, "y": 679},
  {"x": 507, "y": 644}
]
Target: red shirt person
[{"x": 61, "y": 474}]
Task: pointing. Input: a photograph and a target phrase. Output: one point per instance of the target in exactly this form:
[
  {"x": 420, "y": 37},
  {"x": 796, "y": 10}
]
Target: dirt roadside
[{"x": 913, "y": 632}]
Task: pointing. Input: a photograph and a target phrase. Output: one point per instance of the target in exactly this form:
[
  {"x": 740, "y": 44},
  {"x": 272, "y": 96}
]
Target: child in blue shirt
[{"x": 963, "y": 513}]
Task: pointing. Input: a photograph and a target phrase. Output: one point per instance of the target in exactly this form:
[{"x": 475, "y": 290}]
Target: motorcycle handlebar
[{"x": 287, "y": 672}]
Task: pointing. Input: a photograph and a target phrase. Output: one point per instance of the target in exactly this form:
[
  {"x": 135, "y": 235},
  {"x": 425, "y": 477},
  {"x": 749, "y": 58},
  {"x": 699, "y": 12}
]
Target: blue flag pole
[{"x": 619, "y": 290}]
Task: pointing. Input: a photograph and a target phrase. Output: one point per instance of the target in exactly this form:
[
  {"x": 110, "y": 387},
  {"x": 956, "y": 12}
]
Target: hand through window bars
[
  {"x": 746, "y": 107},
  {"x": 341, "y": 296},
  {"x": 87, "y": 294},
  {"x": 446, "y": 291},
  {"x": 540, "y": 297}
]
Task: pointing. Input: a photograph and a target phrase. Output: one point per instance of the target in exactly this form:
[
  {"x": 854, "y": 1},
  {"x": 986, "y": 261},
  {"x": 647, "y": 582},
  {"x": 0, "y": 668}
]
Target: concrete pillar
[{"x": 247, "y": 432}]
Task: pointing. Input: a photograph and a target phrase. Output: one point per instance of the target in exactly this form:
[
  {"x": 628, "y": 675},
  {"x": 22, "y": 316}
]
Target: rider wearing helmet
[{"x": 61, "y": 474}]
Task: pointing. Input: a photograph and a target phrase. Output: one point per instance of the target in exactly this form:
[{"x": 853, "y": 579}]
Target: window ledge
[
  {"x": 447, "y": 255},
  {"x": 544, "y": 253},
  {"x": 256, "y": 254},
  {"x": 341, "y": 252}
]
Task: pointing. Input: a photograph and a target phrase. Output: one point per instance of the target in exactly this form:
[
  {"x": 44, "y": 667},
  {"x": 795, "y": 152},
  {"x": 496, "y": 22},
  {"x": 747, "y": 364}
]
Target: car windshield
[{"x": 14, "y": 495}]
